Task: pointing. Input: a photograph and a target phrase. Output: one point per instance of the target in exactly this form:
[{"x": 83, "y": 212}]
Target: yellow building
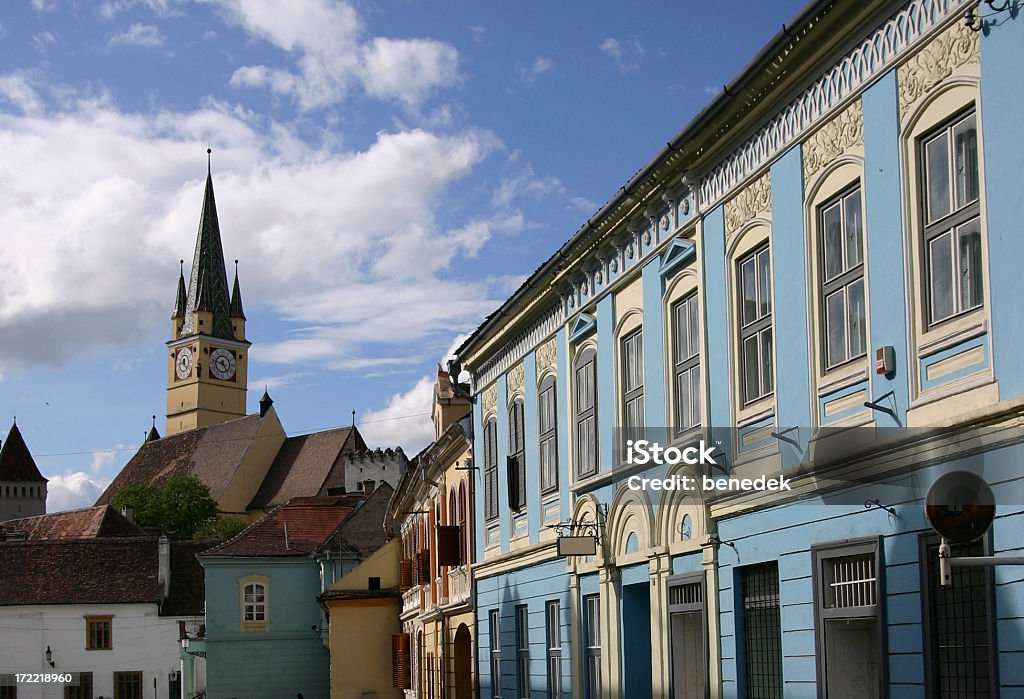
[
  {"x": 433, "y": 511},
  {"x": 362, "y": 612}
]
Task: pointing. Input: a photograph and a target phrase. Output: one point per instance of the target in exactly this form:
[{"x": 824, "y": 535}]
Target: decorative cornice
[
  {"x": 878, "y": 52},
  {"x": 951, "y": 49},
  {"x": 547, "y": 355},
  {"x": 753, "y": 200},
  {"x": 514, "y": 377},
  {"x": 489, "y": 403},
  {"x": 516, "y": 348},
  {"x": 843, "y": 132}
]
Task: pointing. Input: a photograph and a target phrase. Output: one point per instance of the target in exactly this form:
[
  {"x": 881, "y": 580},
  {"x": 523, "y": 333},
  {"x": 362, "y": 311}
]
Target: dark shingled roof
[
  {"x": 311, "y": 521},
  {"x": 208, "y": 282},
  {"x": 307, "y": 464},
  {"x": 16, "y": 462},
  {"x": 101, "y": 521},
  {"x": 79, "y": 571},
  {"x": 188, "y": 583},
  {"x": 212, "y": 454}
]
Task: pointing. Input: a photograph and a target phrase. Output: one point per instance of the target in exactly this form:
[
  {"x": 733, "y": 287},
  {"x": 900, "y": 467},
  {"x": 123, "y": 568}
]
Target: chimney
[
  {"x": 164, "y": 564},
  {"x": 128, "y": 513},
  {"x": 286, "y": 546}
]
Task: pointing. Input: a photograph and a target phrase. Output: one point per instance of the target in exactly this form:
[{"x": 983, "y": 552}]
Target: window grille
[
  {"x": 762, "y": 632},
  {"x": 690, "y": 593},
  {"x": 851, "y": 582}
]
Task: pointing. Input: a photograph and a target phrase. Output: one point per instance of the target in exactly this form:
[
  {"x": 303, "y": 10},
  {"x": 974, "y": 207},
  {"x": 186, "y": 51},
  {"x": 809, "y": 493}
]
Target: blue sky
[{"x": 386, "y": 174}]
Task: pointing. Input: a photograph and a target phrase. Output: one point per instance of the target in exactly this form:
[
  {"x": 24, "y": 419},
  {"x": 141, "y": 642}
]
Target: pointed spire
[
  {"x": 265, "y": 402},
  {"x": 16, "y": 462},
  {"x": 153, "y": 434},
  {"x": 236, "y": 298},
  {"x": 181, "y": 299},
  {"x": 208, "y": 282}
]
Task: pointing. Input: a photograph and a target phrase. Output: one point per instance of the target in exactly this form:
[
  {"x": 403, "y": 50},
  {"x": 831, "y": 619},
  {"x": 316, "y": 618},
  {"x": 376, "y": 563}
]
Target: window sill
[
  {"x": 756, "y": 412},
  {"x": 952, "y": 332},
  {"x": 843, "y": 377}
]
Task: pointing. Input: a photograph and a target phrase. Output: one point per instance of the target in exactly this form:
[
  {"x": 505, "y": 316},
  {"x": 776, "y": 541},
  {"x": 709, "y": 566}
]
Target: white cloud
[
  {"x": 404, "y": 421},
  {"x": 331, "y": 53},
  {"x": 73, "y": 490},
  {"x": 102, "y": 459},
  {"x": 146, "y": 35},
  {"x": 626, "y": 56},
  {"x": 44, "y": 5},
  {"x": 540, "y": 66},
  {"x": 344, "y": 244}
]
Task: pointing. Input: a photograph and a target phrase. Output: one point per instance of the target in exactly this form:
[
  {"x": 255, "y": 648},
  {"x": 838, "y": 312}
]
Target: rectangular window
[
  {"x": 548, "y": 416},
  {"x": 633, "y": 385},
  {"x": 553, "y": 636},
  {"x": 762, "y": 631},
  {"x": 842, "y": 274},
  {"x": 592, "y": 645},
  {"x": 847, "y": 621},
  {"x": 491, "y": 469},
  {"x": 254, "y": 603},
  {"x": 523, "y": 650},
  {"x": 494, "y": 628},
  {"x": 756, "y": 353},
  {"x": 686, "y": 363},
  {"x": 128, "y": 685},
  {"x": 952, "y": 231},
  {"x": 959, "y": 626},
  {"x": 585, "y": 384},
  {"x": 83, "y": 690},
  {"x": 8, "y": 691},
  {"x": 98, "y": 634},
  {"x": 516, "y": 457}
]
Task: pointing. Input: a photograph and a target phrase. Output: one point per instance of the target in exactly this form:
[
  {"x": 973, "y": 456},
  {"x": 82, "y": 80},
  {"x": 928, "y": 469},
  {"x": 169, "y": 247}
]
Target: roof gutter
[{"x": 713, "y": 109}]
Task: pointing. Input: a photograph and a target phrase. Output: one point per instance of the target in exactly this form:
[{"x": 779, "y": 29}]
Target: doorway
[{"x": 463, "y": 663}]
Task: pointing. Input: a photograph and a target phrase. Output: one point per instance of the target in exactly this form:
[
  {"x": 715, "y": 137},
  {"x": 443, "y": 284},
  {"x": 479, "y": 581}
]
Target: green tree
[
  {"x": 221, "y": 528},
  {"x": 181, "y": 506}
]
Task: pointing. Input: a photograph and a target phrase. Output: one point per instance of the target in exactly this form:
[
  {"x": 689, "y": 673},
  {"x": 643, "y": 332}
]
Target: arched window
[
  {"x": 491, "y": 469},
  {"x": 585, "y": 411},
  {"x": 255, "y": 603},
  {"x": 516, "y": 457}
]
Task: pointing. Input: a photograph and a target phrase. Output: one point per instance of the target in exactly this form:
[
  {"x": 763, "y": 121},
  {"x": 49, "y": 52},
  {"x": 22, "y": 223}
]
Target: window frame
[
  {"x": 253, "y": 624},
  {"x": 821, "y": 555},
  {"x": 585, "y": 365},
  {"x": 522, "y": 613},
  {"x": 553, "y": 645},
  {"x": 631, "y": 374},
  {"x": 82, "y": 690},
  {"x": 688, "y": 365},
  {"x": 761, "y": 326},
  {"x": 517, "y": 453},
  {"x": 672, "y": 608},
  {"x": 745, "y": 573},
  {"x": 494, "y": 640},
  {"x": 591, "y": 646},
  {"x": 123, "y": 677},
  {"x": 952, "y": 221},
  {"x": 108, "y": 632},
  {"x": 547, "y": 440},
  {"x": 490, "y": 449},
  {"x": 845, "y": 279}
]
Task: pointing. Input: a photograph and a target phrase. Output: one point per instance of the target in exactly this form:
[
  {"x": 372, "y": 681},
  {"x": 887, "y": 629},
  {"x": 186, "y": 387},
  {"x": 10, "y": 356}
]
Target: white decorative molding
[
  {"x": 844, "y": 131},
  {"x": 514, "y": 378},
  {"x": 489, "y": 401},
  {"x": 516, "y": 348},
  {"x": 753, "y": 200},
  {"x": 883, "y": 48},
  {"x": 951, "y": 49},
  {"x": 547, "y": 357}
]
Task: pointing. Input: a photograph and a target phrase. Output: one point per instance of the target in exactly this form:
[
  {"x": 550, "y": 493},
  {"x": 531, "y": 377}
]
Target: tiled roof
[
  {"x": 304, "y": 465},
  {"x": 188, "y": 590},
  {"x": 79, "y": 571},
  {"x": 212, "y": 454},
  {"x": 311, "y": 521},
  {"x": 87, "y": 523},
  {"x": 363, "y": 532},
  {"x": 16, "y": 462},
  {"x": 342, "y": 595},
  {"x": 208, "y": 282}
]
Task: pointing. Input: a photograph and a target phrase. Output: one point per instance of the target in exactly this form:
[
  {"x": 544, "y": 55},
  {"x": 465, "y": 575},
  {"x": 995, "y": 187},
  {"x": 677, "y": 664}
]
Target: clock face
[
  {"x": 183, "y": 363},
  {"x": 222, "y": 364}
]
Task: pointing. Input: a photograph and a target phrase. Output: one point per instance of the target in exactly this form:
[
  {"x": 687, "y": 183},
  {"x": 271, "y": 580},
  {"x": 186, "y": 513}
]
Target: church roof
[
  {"x": 16, "y": 462},
  {"x": 236, "y": 298},
  {"x": 307, "y": 464},
  {"x": 310, "y": 522},
  {"x": 87, "y": 523},
  {"x": 208, "y": 281},
  {"x": 212, "y": 454}
]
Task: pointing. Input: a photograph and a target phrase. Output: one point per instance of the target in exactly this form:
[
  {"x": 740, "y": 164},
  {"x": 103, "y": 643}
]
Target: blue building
[{"x": 815, "y": 282}]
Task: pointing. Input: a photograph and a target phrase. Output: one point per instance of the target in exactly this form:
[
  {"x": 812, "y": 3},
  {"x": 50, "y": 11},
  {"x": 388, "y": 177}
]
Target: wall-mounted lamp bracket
[{"x": 877, "y": 405}]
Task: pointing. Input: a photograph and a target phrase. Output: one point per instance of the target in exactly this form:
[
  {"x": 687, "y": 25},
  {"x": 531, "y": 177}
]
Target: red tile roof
[
  {"x": 305, "y": 464},
  {"x": 87, "y": 523},
  {"x": 310, "y": 522},
  {"x": 16, "y": 462},
  {"x": 212, "y": 454}
]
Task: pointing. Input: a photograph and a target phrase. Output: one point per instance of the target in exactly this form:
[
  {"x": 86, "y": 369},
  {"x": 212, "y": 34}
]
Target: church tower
[
  {"x": 22, "y": 487},
  {"x": 208, "y": 354}
]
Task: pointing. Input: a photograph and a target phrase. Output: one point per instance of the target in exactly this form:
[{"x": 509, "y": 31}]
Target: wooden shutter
[
  {"x": 423, "y": 567},
  {"x": 512, "y": 472},
  {"x": 401, "y": 670},
  {"x": 405, "y": 574},
  {"x": 448, "y": 550}
]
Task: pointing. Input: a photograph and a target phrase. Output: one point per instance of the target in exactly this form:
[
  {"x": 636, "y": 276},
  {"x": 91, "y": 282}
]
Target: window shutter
[
  {"x": 521, "y": 482},
  {"x": 405, "y": 575},
  {"x": 448, "y": 553},
  {"x": 512, "y": 471},
  {"x": 401, "y": 674},
  {"x": 423, "y": 567}
]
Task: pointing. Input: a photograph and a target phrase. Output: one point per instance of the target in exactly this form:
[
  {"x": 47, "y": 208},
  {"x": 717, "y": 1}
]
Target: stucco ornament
[
  {"x": 840, "y": 134},
  {"x": 753, "y": 200},
  {"x": 951, "y": 49},
  {"x": 546, "y": 357},
  {"x": 515, "y": 380},
  {"x": 489, "y": 402}
]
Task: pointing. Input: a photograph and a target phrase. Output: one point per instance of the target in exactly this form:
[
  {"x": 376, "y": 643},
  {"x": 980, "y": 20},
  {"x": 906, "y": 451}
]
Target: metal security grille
[
  {"x": 691, "y": 593},
  {"x": 960, "y": 625},
  {"x": 762, "y": 631},
  {"x": 852, "y": 582}
]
